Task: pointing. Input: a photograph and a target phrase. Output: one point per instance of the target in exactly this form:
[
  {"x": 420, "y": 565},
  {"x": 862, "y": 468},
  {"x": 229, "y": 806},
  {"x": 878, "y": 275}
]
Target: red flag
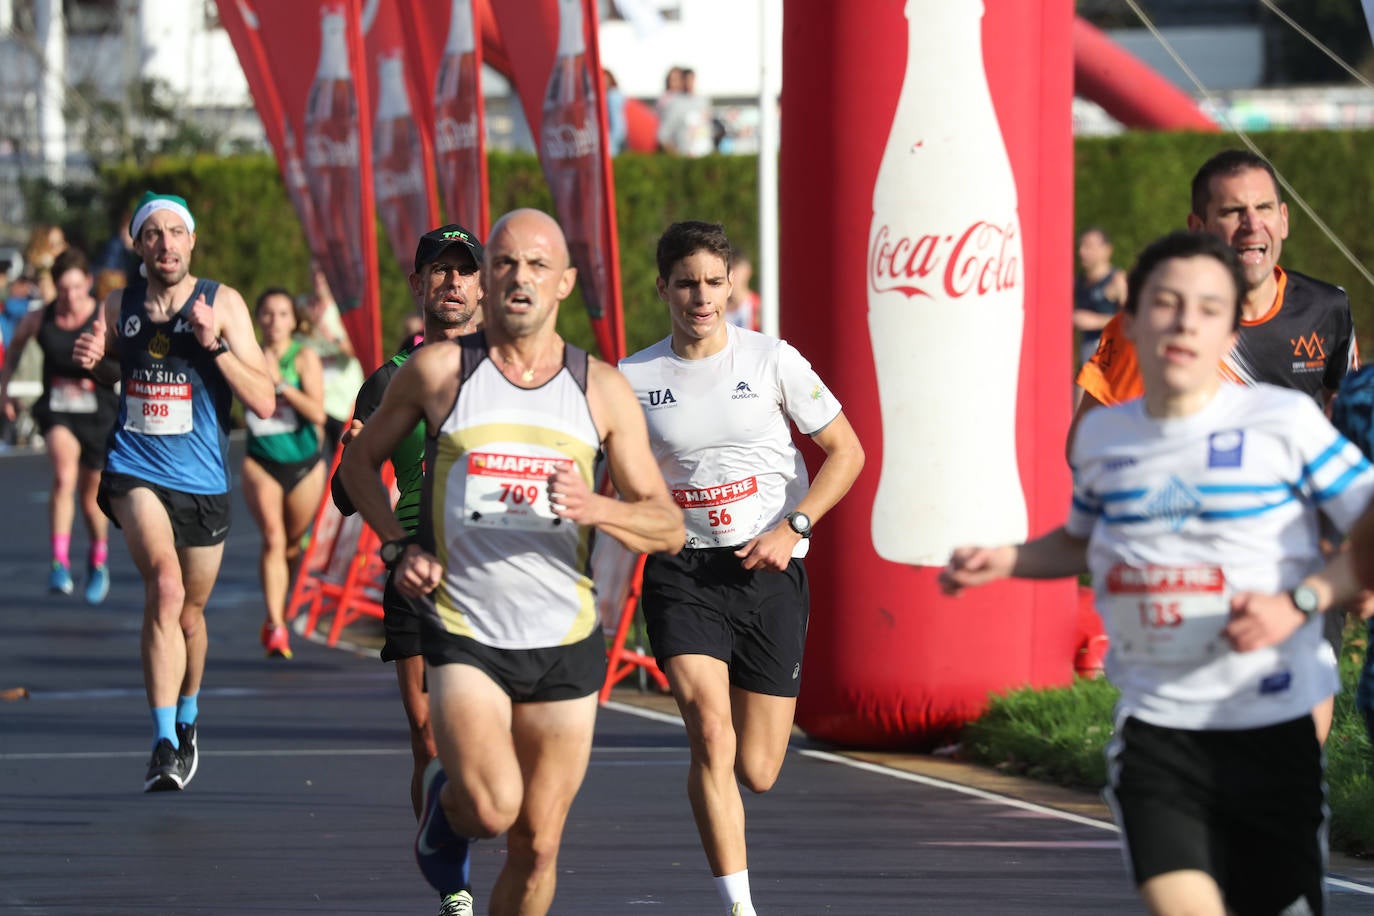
[
  {"x": 556, "y": 69},
  {"x": 453, "y": 113},
  {"x": 242, "y": 25},
  {"x": 327, "y": 110},
  {"x": 402, "y": 160}
]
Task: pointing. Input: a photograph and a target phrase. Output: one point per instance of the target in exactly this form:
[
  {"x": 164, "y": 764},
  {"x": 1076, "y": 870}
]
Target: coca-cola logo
[
  {"x": 980, "y": 260},
  {"x": 322, "y": 151},
  {"x": 393, "y": 183},
  {"x": 451, "y": 135},
  {"x": 568, "y": 141}
]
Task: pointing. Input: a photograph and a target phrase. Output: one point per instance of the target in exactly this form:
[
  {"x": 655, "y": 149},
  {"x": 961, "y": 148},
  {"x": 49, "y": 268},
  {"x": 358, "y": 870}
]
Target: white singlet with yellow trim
[
  {"x": 718, "y": 427},
  {"x": 515, "y": 575}
]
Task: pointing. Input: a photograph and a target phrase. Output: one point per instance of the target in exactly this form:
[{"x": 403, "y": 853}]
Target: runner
[
  {"x": 186, "y": 347},
  {"x": 1196, "y": 509},
  {"x": 517, "y": 421},
  {"x": 1295, "y": 332},
  {"x": 448, "y": 285},
  {"x": 727, "y": 616},
  {"x": 283, "y": 476},
  {"x": 74, "y": 413}
]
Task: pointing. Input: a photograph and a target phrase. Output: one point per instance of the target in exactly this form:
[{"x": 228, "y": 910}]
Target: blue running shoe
[
  {"x": 60, "y": 579},
  {"x": 441, "y": 854},
  {"x": 97, "y": 584}
]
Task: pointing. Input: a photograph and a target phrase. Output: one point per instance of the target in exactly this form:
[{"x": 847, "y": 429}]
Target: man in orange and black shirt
[{"x": 1296, "y": 332}]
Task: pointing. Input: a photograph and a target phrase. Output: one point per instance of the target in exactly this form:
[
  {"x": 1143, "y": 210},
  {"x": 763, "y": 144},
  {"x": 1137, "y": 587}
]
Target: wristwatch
[
  {"x": 392, "y": 551},
  {"x": 799, "y": 522},
  {"x": 1305, "y": 599}
]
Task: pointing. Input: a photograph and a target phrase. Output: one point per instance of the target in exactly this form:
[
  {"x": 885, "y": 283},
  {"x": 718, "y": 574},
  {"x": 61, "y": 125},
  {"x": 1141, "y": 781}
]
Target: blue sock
[
  {"x": 164, "y": 720},
  {"x": 187, "y": 709}
]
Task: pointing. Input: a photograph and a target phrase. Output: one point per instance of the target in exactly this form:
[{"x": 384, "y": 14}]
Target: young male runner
[
  {"x": 1196, "y": 508},
  {"x": 727, "y": 616}
]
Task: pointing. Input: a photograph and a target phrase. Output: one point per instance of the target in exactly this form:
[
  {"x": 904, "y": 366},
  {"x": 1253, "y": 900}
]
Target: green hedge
[
  {"x": 248, "y": 235},
  {"x": 1134, "y": 185}
]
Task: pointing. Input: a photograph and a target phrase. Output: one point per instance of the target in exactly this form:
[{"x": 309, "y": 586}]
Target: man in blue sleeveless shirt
[{"x": 186, "y": 348}]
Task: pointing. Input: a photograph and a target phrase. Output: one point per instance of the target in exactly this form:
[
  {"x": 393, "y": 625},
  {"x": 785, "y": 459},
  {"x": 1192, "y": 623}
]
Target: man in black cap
[{"x": 447, "y": 287}]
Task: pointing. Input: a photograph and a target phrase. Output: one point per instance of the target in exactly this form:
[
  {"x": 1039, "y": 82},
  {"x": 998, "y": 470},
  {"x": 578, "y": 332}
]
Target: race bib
[
  {"x": 510, "y": 491},
  {"x": 1168, "y": 614},
  {"x": 72, "y": 395},
  {"x": 283, "y": 420},
  {"x": 157, "y": 409},
  {"x": 721, "y": 516}
]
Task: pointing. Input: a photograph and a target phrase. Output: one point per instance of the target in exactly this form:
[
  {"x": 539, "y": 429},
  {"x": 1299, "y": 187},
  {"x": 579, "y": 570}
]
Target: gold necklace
[{"x": 526, "y": 375}]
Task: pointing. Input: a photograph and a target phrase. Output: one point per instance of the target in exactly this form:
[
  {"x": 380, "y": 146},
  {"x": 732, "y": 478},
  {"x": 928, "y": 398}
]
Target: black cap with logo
[{"x": 436, "y": 241}]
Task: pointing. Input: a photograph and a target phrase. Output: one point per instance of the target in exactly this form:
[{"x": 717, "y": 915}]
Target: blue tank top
[{"x": 173, "y": 425}]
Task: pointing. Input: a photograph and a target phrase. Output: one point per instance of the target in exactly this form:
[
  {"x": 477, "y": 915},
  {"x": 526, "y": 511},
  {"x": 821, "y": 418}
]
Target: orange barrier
[
  {"x": 340, "y": 572},
  {"x": 620, "y": 661}
]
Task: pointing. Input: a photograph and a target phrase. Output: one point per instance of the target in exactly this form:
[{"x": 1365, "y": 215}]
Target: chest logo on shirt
[
  {"x": 1224, "y": 448},
  {"x": 742, "y": 392},
  {"x": 181, "y": 325},
  {"x": 662, "y": 397},
  {"x": 132, "y": 326},
  {"x": 1309, "y": 351},
  {"x": 1175, "y": 503},
  {"x": 159, "y": 346}
]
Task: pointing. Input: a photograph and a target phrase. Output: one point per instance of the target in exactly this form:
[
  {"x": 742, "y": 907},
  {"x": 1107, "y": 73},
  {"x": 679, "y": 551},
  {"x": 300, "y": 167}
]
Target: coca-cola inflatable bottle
[
  {"x": 298, "y": 190},
  {"x": 569, "y": 148},
  {"x": 398, "y": 162},
  {"x": 945, "y": 302},
  {"x": 332, "y": 161},
  {"x": 456, "y": 146}
]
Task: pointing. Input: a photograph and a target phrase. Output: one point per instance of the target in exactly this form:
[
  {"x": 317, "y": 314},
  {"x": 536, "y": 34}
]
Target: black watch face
[{"x": 391, "y": 551}]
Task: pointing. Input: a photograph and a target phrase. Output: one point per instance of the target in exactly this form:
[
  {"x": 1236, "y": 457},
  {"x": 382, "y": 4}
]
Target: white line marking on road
[{"x": 828, "y": 757}]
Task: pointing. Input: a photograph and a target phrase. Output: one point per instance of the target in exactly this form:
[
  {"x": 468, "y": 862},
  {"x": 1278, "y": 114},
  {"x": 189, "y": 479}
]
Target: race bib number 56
[
  {"x": 721, "y": 516},
  {"x": 1167, "y": 614},
  {"x": 510, "y": 491}
]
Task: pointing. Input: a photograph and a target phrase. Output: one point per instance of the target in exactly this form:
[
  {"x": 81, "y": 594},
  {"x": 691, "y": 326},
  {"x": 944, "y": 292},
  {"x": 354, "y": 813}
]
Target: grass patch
[{"x": 1058, "y": 735}]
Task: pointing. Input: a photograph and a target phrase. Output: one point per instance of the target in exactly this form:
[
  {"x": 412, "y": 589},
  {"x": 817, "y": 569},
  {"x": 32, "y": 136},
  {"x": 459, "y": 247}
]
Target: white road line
[{"x": 655, "y": 716}]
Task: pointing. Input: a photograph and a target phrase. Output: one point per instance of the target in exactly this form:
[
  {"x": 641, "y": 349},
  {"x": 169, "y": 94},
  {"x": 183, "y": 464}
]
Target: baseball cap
[{"x": 434, "y": 242}]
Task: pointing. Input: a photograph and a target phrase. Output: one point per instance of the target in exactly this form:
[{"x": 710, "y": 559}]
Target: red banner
[
  {"x": 242, "y": 26},
  {"x": 450, "y": 71},
  {"x": 556, "y": 70},
  {"x": 324, "y": 107},
  {"x": 402, "y": 159}
]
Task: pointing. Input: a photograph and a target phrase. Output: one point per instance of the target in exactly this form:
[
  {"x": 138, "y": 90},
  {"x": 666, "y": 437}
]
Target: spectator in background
[
  {"x": 413, "y": 331},
  {"x": 672, "y": 87},
  {"x": 46, "y": 242},
  {"x": 1099, "y": 289},
  {"x": 343, "y": 374},
  {"x": 615, "y": 113},
  {"x": 117, "y": 254},
  {"x": 742, "y": 307},
  {"x": 684, "y": 126}
]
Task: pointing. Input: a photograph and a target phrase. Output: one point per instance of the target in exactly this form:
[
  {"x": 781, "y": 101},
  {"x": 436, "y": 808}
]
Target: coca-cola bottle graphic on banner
[
  {"x": 945, "y": 291},
  {"x": 569, "y": 148},
  {"x": 398, "y": 162},
  {"x": 456, "y": 146},
  {"x": 332, "y": 162},
  {"x": 298, "y": 190}
]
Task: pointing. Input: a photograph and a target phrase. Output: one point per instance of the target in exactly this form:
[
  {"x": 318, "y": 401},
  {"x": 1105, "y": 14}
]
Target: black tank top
[{"x": 58, "y": 363}]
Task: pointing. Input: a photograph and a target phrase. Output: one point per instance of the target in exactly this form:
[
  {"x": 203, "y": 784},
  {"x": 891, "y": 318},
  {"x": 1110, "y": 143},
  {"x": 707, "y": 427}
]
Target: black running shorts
[
  {"x": 526, "y": 675},
  {"x": 703, "y": 602},
  {"x": 401, "y": 616},
  {"x": 1244, "y": 806},
  {"x": 91, "y": 431},
  {"x": 198, "y": 520}
]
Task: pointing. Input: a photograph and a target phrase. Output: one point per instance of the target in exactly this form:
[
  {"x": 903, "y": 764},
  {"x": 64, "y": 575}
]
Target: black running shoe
[
  {"x": 189, "y": 751},
  {"x": 166, "y": 771}
]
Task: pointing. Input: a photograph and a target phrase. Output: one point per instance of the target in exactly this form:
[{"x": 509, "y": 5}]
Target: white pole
[
  {"x": 51, "y": 31},
  {"x": 770, "y": 80}
]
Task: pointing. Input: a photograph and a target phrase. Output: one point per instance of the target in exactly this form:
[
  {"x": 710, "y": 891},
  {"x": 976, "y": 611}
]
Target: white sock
[{"x": 734, "y": 889}]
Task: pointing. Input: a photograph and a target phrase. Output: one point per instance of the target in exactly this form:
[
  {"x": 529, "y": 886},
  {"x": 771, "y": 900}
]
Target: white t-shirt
[
  {"x": 1181, "y": 514},
  {"x": 719, "y": 429}
]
